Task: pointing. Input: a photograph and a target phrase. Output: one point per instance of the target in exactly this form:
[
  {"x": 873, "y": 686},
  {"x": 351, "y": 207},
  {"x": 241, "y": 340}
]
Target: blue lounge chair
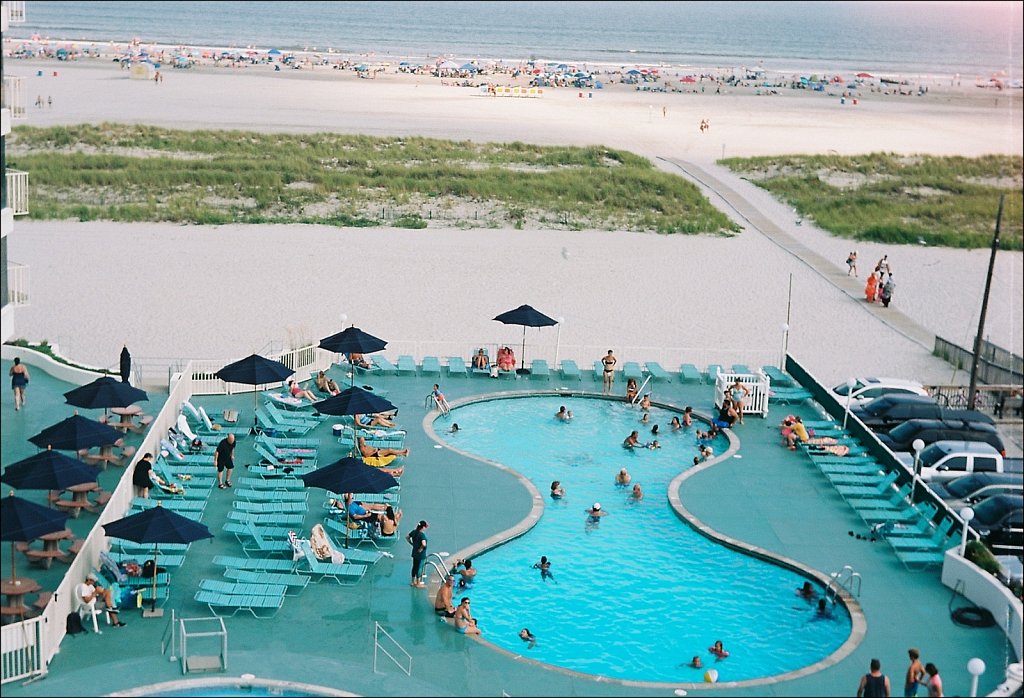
[
  {"x": 243, "y": 531},
  {"x": 406, "y": 365},
  {"x": 294, "y": 520},
  {"x": 690, "y": 374},
  {"x": 270, "y": 507},
  {"x": 631, "y": 369},
  {"x": 258, "y": 606},
  {"x": 778, "y": 377},
  {"x": 297, "y": 464},
  {"x": 169, "y": 561},
  {"x": 346, "y": 571},
  {"x": 878, "y": 489},
  {"x": 713, "y": 371},
  {"x": 283, "y": 416},
  {"x": 262, "y": 564},
  {"x": 539, "y": 370},
  {"x": 570, "y": 371},
  {"x": 255, "y": 495},
  {"x": 457, "y": 367},
  {"x": 292, "y": 582},
  {"x": 385, "y": 366},
  {"x": 740, "y": 368},
  {"x": 658, "y": 373},
  {"x": 430, "y": 366},
  {"x": 269, "y": 425},
  {"x": 293, "y": 484},
  {"x": 297, "y": 447}
]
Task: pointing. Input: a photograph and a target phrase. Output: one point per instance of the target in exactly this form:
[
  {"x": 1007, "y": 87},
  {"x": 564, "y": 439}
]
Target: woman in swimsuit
[
  {"x": 19, "y": 379},
  {"x": 609, "y": 362},
  {"x": 464, "y": 621}
]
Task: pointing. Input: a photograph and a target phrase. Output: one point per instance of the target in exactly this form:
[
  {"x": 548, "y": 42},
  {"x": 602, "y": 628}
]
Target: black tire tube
[{"x": 973, "y": 617}]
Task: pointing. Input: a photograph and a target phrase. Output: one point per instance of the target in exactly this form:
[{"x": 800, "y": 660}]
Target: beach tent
[{"x": 142, "y": 71}]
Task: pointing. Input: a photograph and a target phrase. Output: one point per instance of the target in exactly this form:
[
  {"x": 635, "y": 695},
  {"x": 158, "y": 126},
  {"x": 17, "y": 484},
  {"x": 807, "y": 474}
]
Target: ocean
[{"x": 889, "y": 38}]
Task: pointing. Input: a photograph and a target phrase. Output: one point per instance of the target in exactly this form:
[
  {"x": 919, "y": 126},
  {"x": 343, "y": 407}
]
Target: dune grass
[
  {"x": 888, "y": 198},
  {"x": 135, "y": 173}
]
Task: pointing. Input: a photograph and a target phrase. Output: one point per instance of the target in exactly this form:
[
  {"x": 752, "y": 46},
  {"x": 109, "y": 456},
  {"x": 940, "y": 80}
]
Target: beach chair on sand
[
  {"x": 658, "y": 374},
  {"x": 570, "y": 371},
  {"x": 406, "y": 365},
  {"x": 689, "y": 373}
]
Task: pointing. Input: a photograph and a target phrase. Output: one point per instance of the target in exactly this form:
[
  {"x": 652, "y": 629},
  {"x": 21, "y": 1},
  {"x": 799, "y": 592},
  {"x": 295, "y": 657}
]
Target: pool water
[{"x": 638, "y": 594}]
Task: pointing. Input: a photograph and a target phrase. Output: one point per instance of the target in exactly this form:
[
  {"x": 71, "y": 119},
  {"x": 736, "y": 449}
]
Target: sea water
[
  {"x": 907, "y": 39},
  {"x": 637, "y": 594}
]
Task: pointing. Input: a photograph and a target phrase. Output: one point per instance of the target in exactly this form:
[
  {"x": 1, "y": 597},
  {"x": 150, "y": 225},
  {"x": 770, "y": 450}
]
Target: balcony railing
[
  {"x": 14, "y": 96},
  {"x": 17, "y": 191},
  {"x": 15, "y": 11},
  {"x": 17, "y": 283}
]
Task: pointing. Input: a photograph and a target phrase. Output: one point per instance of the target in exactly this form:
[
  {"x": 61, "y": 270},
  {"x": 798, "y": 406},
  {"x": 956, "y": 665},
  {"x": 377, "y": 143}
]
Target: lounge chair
[
  {"x": 712, "y": 372},
  {"x": 658, "y": 373},
  {"x": 292, "y": 416},
  {"x": 270, "y": 507},
  {"x": 689, "y": 373},
  {"x": 406, "y": 365},
  {"x": 457, "y": 367},
  {"x": 287, "y": 402},
  {"x": 346, "y": 571},
  {"x": 272, "y": 424},
  {"x": 296, "y": 463},
  {"x": 293, "y": 484},
  {"x": 246, "y": 530},
  {"x": 778, "y": 377},
  {"x": 878, "y": 489},
  {"x": 570, "y": 371},
  {"x": 631, "y": 369},
  {"x": 430, "y": 366},
  {"x": 260, "y": 564},
  {"x": 169, "y": 561},
  {"x": 291, "y": 581},
  {"x": 740, "y": 368},
  {"x": 257, "y": 495},
  {"x": 179, "y": 506},
  {"x": 258, "y": 606},
  {"x": 353, "y": 555},
  {"x": 788, "y": 395},
  {"x": 386, "y": 367},
  {"x": 919, "y": 559},
  {"x": 936, "y": 540},
  {"x": 540, "y": 370},
  {"x": 294, "y": 520},
  {"x": 254, "y": 542}
]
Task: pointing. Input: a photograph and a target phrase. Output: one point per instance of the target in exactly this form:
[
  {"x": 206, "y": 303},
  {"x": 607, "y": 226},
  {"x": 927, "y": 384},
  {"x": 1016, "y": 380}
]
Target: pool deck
[{"x": 768, "y": 497}]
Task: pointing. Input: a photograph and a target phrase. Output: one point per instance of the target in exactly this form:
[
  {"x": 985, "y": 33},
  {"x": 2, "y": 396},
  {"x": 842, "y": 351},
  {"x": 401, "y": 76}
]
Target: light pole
[
  {"x": 351, "y": 371},
  {"x": 785, "y": 346},
  {"x": 558, "y": 337},
  {"x": 976, "y": 667},
  {"x": 918, "y": 446},
  {"x": 850, "y": 382},
  {"x": 966, "y": 514}
]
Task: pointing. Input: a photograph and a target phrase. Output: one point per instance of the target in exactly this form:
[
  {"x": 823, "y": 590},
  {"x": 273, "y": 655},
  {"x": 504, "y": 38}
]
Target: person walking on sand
[
  {"x": 608, "y": 362},
  {"x": 887, "y": 291},
  {"x": 851, "y": 264},
  {"x": 874, "y": 684},
  {"x": 19, "y": 379},
  {"x": 871, "y": 288}
]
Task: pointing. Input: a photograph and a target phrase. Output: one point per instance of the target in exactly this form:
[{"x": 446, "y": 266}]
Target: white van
[{"x": 946, "y": 460}]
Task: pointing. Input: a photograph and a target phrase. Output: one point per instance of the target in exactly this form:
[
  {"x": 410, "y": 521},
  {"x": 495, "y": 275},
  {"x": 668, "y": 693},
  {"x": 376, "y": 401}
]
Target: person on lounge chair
[
  {"x": 481, "y": 361},
  {"x": 297, "y": 391},
  {"x": 359, "y": 361},
  {"x": 326, "y": 385},
  {"x": 369, "y": 421},
  {"x": 372, "y": 451}
]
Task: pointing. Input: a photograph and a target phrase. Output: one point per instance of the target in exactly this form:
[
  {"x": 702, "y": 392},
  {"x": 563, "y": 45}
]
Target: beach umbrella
[
  {"x": 865, "y": 75},
  {"x": 352, "y": 340},
  {"x": 273, "y": 52},
  {"x": 74, "y": 433},
  {"x": 48, "y": 470},
  {"x": 350, "y": 475},
  {"x": 22, "y": 520},
  {"x": 126, "y": 364},
  {"x": 157, "y": 525},
  {"x": 254, "y": 370},
  {"x": 353, "y": 400},
  {"x": 105, "y": 391},
  {"x": 526, "y": 316}
]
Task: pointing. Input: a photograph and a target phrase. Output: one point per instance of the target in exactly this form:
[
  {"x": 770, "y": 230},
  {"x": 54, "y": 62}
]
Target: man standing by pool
[
  {"x": 223, "y": 458},
  {"x": 874, "y": 684},
  {"x": 609, "y": 362}
]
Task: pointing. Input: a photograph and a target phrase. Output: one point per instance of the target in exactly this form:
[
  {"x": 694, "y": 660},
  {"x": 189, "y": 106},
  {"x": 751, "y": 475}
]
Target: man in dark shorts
[{"x": 223, "y": 458}]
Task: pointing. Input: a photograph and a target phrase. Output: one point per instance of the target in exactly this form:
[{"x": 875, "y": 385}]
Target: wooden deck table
[{"x": 15, "y": 591}]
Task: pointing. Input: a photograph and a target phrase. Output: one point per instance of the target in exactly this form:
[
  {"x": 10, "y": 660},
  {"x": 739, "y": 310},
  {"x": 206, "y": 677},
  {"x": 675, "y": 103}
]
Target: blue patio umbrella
[
  {"x": 352, "y": 340},
  {"x": 157, "y": 525},
  {"x": 353, "y": 400},
  {"x": 104, "y": 392},
  {"x": 526, "y": 316},
  {"x": 22, "y": 520},
  {"x": 74, "y": 433},
  {"x": 254, "y": 370},
  {"x": 48, "y": 470},
  {"x": 350, "y": 475}
]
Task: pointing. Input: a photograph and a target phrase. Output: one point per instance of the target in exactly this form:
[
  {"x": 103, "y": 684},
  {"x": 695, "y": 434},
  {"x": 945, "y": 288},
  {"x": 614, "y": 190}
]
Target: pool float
[{"x": 378, "y": 461}]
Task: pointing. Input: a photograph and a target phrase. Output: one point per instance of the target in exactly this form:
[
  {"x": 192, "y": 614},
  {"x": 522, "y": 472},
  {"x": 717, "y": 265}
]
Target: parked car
[
  {"x": 902, "y": 437},
  {"x": 866, "y": 389},
  {"x": 948, "y": 460},
  {"x": 888, "y": 411},
  {"x": 968, "y": 490},
  {"x": 999, "y": 520}
]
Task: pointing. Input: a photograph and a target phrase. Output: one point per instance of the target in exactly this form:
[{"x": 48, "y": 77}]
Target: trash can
[{"x": 337, "y": 429}]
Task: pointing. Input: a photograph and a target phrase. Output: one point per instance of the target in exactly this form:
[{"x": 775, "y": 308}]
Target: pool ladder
[
  {"x": 442, "y": 570},
  {"x": 847, "y": 579}
]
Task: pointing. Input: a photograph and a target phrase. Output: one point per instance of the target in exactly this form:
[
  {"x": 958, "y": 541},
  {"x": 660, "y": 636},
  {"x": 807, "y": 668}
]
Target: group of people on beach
[{"x": 880, "y": 285}]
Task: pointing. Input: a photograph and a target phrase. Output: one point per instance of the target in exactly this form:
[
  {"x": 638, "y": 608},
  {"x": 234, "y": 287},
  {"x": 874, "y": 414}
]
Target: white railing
[
  {"x": 757, "y": 383},
  {"x": 22, "y": 655},
  {"x": 202, "y": 373},
  {"x": 14, "y": 96},
  {"x": 17, "y": 191},
  {"x": 17, "y": 283}
]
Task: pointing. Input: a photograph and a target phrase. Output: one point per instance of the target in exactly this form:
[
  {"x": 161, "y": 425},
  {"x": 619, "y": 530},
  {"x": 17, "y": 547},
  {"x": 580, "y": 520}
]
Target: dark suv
[
  {"x": 999, "y": 520},
  {"x": 886, "y": 412},
  {"x": 902, "y": 437}
]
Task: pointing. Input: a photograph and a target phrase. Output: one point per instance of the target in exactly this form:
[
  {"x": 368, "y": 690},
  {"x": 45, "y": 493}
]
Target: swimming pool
[{"x": 638, "y": 594}]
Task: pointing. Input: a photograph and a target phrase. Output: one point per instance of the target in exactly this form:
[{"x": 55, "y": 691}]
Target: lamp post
[
  {"x": 850, "y": 382},
  {"x": 785, "y": 346},
  {"x": 976, "y": 667},
  {"x": 918, "y": 446},
  {"x": 966, "y": 514},
  {"x": 558, "y": 337},
  {"x": 351, "y": 371}
]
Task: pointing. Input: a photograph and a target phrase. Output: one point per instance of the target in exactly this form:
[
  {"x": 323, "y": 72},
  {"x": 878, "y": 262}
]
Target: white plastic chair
[{"x": 86, "y": 609}]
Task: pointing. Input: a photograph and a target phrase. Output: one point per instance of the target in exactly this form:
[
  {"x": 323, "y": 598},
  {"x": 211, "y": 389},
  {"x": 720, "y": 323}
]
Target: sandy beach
[{"x": 171, "y": 292}]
